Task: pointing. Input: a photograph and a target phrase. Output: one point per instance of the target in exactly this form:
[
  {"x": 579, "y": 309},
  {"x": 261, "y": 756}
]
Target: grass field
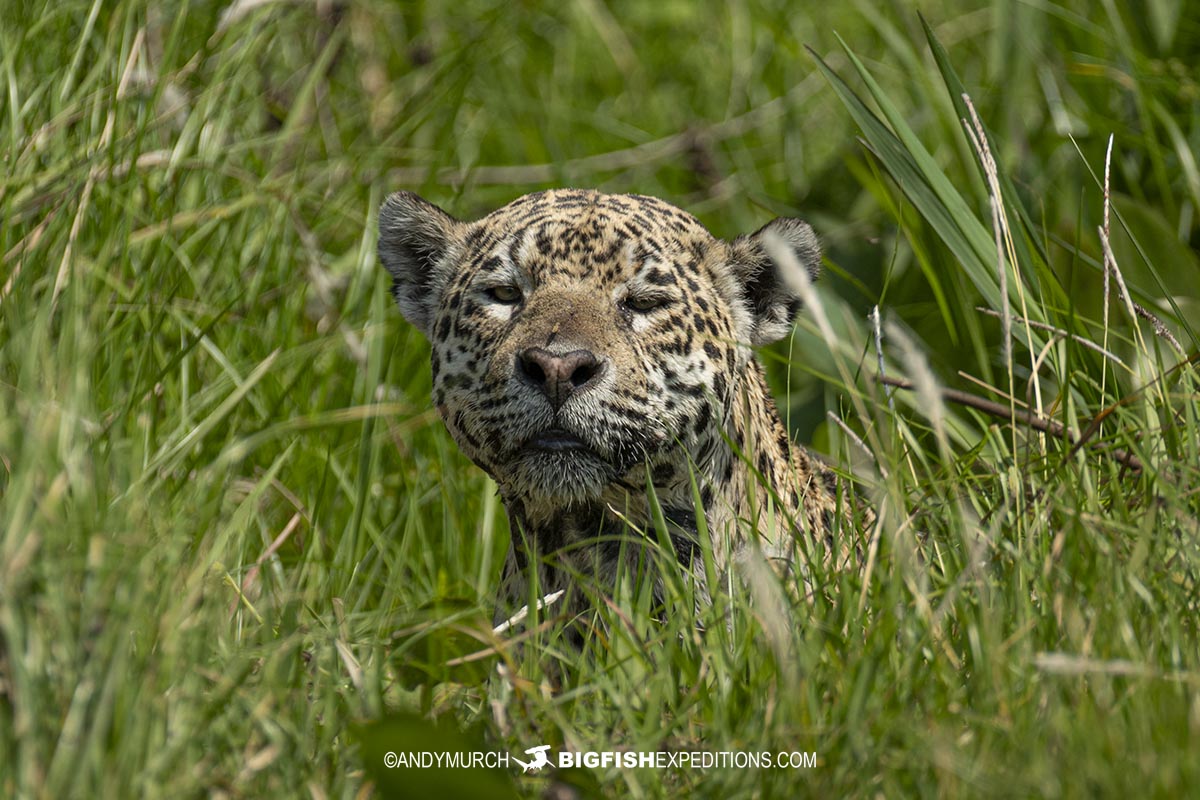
[{"x": 239, "y": 556}]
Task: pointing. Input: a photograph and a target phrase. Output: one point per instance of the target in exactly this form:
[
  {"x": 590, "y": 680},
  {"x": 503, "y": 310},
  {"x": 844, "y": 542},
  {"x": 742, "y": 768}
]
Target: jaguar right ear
[
  {"x": 417, "y": 241},
  {"x": 770, "y": 297}
]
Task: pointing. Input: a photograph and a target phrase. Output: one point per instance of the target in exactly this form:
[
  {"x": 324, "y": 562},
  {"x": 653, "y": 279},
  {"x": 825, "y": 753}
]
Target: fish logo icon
[{"x": 538, "y": 760}]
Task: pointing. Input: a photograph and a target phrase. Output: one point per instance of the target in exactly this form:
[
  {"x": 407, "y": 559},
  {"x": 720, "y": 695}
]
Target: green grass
[{"x": 238, "y": 551}]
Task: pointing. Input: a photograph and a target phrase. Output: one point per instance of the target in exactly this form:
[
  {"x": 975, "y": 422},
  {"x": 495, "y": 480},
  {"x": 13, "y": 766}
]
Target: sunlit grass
[{"x": 237, "y": 548}]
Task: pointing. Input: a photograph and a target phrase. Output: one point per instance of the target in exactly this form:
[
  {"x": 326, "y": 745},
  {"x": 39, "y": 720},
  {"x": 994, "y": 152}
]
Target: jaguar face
[{"x": 582, "y": 341}]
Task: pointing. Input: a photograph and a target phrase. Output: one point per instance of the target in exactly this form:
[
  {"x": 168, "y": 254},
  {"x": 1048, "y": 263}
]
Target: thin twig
[
  {"x": 1110, "y": 267},
  {"x": 1009, "y": 414},
  {"x": 996, "y": 390},
  {"x": 1088, "y": 343},
  {"x": 517, "y": 618},
  {"x": 1092, "y": 428},
  {"x": 1136, "y": 310},
  {"x": 854, "y": 437},
  {"x": 877, "y": 327},
  {"x": 1104, "y": 234}
]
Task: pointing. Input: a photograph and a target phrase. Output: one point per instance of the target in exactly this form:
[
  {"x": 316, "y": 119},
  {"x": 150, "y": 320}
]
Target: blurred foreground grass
[{"x": 231, "y": 528}]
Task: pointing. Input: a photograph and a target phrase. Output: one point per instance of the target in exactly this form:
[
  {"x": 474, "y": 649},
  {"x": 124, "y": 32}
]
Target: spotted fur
[{"x": 585, "y": 345}]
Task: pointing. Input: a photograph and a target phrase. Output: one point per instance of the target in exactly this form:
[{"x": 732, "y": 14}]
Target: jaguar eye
[
  {"x": 506, "y": 294},
  {"x": 644, "y": 304}
]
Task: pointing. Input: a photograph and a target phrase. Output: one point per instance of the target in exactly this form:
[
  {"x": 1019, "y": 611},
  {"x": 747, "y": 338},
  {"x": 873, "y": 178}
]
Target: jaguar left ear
[
  {"x": 416, "y": 242},
  {"x": 769, "y": 292}
]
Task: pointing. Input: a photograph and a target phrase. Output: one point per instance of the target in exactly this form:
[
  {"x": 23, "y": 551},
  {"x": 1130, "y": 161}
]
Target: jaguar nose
[{"x": 558, "y": 375}]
